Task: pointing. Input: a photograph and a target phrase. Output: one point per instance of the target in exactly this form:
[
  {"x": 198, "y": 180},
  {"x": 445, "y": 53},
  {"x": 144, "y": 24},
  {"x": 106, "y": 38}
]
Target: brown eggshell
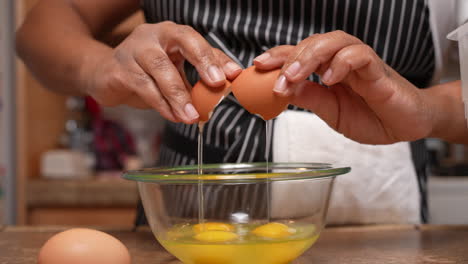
[
  {"x": 254, "y": 91},
  {"x": 206, "y": 98},
  {"x": 80, "y": 246}
]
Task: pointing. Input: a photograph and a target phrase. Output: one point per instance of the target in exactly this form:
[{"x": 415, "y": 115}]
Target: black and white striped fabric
[{"x": 398, "y": 30}]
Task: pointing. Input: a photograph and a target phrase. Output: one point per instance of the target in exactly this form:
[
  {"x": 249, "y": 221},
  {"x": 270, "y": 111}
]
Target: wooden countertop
[
  {"x": 81, "y": 193},
  {"x": 359, "y": 245}
]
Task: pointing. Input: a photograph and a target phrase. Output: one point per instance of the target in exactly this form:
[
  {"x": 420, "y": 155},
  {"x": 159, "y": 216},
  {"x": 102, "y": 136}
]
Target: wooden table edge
[{"x": 353, "y": 228}]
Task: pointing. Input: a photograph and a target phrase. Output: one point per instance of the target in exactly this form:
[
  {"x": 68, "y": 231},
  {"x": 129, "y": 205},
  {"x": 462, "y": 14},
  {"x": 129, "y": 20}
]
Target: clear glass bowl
[{"x": 248, "y": 216}]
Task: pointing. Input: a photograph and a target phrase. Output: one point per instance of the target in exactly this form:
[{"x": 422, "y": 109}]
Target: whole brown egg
[
  {"x": 253, "y": 89},
  {"x": 83, "y": 246}
]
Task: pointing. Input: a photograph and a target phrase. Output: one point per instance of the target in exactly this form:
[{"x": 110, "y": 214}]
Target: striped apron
[{"x": 398, "y": 30}]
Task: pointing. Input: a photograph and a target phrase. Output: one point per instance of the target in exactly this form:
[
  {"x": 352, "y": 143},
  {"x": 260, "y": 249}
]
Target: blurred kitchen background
[{"x": 61, "y": 157}]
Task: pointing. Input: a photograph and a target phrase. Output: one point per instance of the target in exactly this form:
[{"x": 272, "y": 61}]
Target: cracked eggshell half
[
  {"x": 253, "y": 89},
  {"x": 206, "y": 98}
]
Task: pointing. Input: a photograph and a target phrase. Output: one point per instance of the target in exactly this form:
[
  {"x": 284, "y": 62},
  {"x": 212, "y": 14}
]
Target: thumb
[{"x": 273, "y": 58}]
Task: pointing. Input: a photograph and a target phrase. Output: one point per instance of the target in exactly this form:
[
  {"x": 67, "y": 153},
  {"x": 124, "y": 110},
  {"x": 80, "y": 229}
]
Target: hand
[
  {"x": 146, "y": 70},
  {"x": 366, "y": 100}
]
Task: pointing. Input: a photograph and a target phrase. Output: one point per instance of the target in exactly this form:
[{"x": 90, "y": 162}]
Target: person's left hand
[{"x": 365, "y": 99}]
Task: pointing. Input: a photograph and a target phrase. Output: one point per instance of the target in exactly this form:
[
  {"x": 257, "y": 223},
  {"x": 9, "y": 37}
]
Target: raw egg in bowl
[{"x": 241, "y": 218}]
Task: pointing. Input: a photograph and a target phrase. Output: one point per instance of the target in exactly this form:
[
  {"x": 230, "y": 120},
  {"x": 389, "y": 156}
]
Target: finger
[
  {"x": 323, "y": 68},
  {"x": 132, "y": 81},
  {"x": 136, "y": 102},
  {"x": 199, "y": 53},
  {"x": 230, "y": 68},
  {"x": 313, "y": 52},
  {"x": 273, "y": 58},
  {"x": 144, "y": 86},
  {"x": 157, "y": 65},
  {"x": 284, "y": 88},
  {"x": 180, "y": 65},
  {"x": 359, "y": 58},
  {"x": 319, "y": 99}
]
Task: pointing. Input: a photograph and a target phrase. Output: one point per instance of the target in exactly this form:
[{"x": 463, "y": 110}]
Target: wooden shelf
[
  {"x": 81, "y": 202},
  {"x": 81, "y": 193}
]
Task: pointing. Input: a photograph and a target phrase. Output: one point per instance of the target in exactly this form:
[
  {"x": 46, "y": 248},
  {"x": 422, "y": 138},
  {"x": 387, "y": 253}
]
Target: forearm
[
  {"x": 448, "y": 117},
  {"x": 57, "y": 44}
]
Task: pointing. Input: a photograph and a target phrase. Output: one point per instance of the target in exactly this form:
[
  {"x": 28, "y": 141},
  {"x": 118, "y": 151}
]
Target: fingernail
[
  {"x": 191, "y": 112},
  {"x": 263, "y": 58},
  {"x": 216, "y": 75},
  {"x": 231, "y": 67},
  {"x": 293, "y": 69},
  {"x": 280, "y": 85},
  {"x": 327, "y": 75}
]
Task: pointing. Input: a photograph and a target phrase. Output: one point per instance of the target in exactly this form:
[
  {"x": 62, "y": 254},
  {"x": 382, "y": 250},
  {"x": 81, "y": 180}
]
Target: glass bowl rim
[{"x": 189, "y": 175}]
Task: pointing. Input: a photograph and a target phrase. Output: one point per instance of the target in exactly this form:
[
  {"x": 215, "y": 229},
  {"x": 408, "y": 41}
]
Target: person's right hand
[
  {"x": 146, "y": 70},
  {"x": 363, "y": 98}
]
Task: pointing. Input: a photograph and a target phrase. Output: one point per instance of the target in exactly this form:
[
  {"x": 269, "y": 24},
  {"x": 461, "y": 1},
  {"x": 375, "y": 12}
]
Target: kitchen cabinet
[{"x": 448, "y": 200}]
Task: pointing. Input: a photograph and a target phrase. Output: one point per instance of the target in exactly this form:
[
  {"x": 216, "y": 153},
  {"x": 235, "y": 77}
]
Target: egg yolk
[
  {"x": 216, "y": 236},
  {"x": 212, "y": 226},
  {"x": 274, "y": 230}
]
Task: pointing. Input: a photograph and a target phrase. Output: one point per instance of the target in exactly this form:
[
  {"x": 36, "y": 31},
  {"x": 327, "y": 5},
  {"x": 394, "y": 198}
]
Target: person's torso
[{"x": 398, "y": 30}]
